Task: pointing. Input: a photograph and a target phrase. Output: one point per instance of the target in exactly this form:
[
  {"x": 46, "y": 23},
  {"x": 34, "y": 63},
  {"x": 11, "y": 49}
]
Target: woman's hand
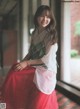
[
  {"x": 20, "y": 66},
  {"x": 23, "y": 64}
]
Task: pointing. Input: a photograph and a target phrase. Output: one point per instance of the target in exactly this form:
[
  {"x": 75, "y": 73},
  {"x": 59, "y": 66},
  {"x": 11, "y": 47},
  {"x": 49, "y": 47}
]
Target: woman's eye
[{"x": 41, "y": 16}]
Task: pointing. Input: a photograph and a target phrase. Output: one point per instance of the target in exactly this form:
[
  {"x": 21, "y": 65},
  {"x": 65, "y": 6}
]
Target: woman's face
[{"x": 43, "y": 19}]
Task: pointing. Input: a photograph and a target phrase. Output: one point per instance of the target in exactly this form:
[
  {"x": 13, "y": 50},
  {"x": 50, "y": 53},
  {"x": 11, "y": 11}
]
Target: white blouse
[{"x": 45, "y": 78}]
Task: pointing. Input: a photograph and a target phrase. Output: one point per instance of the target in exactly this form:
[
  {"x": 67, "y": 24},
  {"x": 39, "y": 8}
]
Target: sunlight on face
[{"x": 44, "y": 19}]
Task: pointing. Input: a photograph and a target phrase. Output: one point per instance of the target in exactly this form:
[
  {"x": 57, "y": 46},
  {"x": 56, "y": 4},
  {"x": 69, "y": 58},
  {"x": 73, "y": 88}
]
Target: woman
[{"x": 31, "y": 83}]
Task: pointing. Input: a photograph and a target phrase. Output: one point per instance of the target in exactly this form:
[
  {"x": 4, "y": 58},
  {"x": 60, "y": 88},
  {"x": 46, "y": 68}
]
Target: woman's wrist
[
  {"x": 34, "y": 62},
  {"x": 28, "y": 63}
]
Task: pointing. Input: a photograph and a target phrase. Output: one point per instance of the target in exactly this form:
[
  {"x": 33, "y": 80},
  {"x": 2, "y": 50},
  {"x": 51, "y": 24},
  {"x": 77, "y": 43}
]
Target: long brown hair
[{"x": 52, "y": 25}]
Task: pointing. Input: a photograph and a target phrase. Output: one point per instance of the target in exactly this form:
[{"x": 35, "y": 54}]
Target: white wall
[
  {"x": 65, "y": 42},
  {"x": 25, "y": 42}
]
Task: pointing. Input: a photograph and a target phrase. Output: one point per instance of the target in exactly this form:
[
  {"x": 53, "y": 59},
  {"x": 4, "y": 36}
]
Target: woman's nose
[{"x": 45, "y": 17}]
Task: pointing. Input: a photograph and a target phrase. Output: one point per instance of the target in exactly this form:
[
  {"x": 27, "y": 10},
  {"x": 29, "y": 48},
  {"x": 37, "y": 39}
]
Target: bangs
[{"x": 46, "y": 13}]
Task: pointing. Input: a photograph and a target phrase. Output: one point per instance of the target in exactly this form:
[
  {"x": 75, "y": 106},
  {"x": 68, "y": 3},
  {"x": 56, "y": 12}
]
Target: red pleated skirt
[{"x": 19, "y": 92}]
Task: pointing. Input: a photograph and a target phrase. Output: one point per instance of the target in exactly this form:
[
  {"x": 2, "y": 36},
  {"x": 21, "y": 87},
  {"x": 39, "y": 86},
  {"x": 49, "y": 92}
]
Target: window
[{"x": 70, "y": 43}]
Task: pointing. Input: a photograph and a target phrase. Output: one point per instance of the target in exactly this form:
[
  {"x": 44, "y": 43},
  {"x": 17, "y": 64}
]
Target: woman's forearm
[{"x": 35, "y": 62}]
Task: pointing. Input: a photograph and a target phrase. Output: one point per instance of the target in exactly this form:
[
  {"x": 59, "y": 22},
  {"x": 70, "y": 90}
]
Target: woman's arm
[
  {"x": 23, "y": 64},
  {"x": 34, "y": 62}
]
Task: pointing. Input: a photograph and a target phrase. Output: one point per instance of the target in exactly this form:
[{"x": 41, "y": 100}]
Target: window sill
[{"x": 69, "y": 91}]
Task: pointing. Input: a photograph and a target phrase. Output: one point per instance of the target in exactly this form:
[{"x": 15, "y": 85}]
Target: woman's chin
[{"x": 44, "y": 25}]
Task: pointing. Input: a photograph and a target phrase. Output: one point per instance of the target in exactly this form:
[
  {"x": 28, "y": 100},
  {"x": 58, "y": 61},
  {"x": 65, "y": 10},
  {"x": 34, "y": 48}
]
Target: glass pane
[{"x": 75, "y": 44}]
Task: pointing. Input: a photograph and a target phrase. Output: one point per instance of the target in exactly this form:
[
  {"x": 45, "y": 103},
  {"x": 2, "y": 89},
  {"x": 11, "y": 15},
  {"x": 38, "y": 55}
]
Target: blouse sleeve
[{"x": 50, "y": 58}]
